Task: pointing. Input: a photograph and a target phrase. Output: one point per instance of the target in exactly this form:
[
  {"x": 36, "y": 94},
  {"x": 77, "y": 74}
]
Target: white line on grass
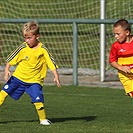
[{"x": 81, "y": 95}]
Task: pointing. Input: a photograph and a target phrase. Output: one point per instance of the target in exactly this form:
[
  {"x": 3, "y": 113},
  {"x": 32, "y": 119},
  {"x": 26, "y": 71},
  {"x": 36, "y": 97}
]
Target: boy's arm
[
  {"x": 125, "y": 69},
  {"x": 56, "y": 77},
  {"x": 7, "y": 72}
]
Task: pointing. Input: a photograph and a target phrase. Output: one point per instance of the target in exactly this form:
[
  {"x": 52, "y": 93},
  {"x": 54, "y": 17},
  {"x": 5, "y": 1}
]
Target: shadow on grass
[
  {"x": 54, "y": 120},
  {"x": 85, "y": 118},
  {"x": 13, "y": 121}
]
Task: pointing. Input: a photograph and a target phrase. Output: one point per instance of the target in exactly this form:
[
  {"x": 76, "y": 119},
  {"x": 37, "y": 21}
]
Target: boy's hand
[
  {"x": 56, "y": 78},
  {"x": 7, "y": 72},
  {"x": 7, "y": 75},
  {"x": 57, "y": 81},
  {"x": 125, "y": 69}
]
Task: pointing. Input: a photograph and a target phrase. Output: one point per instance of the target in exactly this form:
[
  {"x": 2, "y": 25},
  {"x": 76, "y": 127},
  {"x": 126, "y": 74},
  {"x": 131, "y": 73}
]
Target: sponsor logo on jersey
[{"x": 122, "y": 50}]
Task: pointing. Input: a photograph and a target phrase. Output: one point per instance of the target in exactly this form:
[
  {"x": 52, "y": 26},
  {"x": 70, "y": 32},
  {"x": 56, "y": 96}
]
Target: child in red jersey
[{"x": 121, "y": 54}]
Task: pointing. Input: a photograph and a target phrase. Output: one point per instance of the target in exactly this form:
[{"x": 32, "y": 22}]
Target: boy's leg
[
  {"x": 41, "y": 113},
  {"x": 3, "y": 95},
  {"x": 36, "y": 94},
  {"x": 40, "y": 110}
]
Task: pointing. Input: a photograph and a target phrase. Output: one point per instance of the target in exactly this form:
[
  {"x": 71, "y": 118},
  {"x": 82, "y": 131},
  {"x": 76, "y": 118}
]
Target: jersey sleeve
[
  {"x": 14, "y": 57},
  {"x": 113, "y": 56},
  {"x": 51, "y": 64},
  {"x": 49, "y": 60}
]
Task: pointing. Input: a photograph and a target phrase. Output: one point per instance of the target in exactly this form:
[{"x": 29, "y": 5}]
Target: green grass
[{"x": 72, "y": 110}]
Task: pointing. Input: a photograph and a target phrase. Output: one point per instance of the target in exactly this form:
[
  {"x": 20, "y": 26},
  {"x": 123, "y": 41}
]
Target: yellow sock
[
  {"x": 40, "y": 110},
  {"x": 3, "y": 95}
]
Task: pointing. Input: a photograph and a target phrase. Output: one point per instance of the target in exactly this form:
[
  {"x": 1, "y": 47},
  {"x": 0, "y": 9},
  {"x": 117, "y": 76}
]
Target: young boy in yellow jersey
[
  {"x": 32, "y": 59},
  {"x": 121, "y": 54}
]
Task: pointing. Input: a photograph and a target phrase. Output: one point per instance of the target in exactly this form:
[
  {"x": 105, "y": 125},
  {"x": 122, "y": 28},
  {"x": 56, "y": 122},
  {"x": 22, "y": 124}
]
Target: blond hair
[{"x": 30, "y": 27}]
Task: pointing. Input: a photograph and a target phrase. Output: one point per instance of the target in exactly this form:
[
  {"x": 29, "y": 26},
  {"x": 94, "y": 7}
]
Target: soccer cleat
[{"x": 45, "y": 122}]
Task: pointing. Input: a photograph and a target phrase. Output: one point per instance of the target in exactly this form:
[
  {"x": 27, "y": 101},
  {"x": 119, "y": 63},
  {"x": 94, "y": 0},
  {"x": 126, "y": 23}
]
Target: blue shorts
[{"x": 15, "y": 88}]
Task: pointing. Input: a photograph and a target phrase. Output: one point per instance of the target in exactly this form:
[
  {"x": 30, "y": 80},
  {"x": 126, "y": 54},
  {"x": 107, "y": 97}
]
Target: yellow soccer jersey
[{"x": 32, "y": 64}]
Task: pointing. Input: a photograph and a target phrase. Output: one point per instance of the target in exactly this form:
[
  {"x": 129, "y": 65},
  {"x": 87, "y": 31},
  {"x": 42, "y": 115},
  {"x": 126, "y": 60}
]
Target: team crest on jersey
[
  {"x": 26, "y": 57},
  {"x": 6, "y": 86}
]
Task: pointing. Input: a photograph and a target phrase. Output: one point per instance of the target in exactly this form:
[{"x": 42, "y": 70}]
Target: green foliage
[{"x": 72, "y": 110}]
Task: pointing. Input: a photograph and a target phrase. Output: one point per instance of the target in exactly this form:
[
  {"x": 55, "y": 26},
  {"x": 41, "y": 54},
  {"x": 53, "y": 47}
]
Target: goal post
[{"x": 102, "y": 41}]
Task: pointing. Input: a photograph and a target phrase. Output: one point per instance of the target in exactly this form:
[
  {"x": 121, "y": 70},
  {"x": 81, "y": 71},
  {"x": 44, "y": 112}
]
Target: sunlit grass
[{"x": 72, "y": 110}]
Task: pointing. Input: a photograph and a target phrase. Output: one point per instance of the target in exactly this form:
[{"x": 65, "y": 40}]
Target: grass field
[{"x": 72, "y": 110}]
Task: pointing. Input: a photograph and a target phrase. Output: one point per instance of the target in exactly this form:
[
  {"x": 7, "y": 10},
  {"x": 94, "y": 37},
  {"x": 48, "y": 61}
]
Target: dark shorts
[{"x": 15, "y": 88}]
